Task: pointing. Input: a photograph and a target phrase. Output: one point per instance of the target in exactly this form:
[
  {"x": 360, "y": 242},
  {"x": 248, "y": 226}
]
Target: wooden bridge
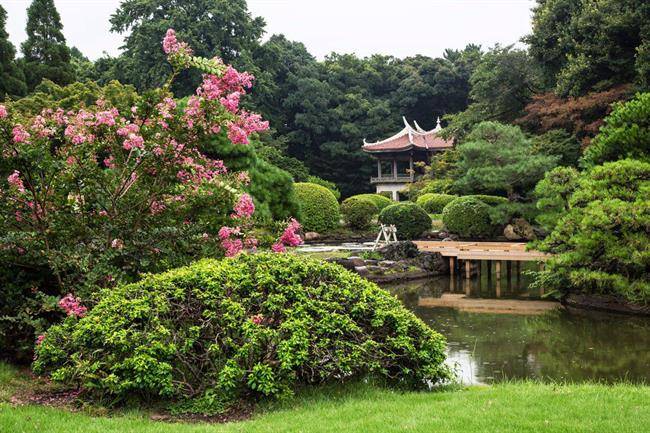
[{"x": 468, "y": 252}]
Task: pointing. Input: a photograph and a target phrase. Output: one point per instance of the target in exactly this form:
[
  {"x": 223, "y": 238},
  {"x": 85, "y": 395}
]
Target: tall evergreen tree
[
  {"x": 46, "y": 54},
  {"x": 12, "y": 80}
]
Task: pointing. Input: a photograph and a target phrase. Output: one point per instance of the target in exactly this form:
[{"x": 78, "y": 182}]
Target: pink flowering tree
[{"x": 97, "y": 196}]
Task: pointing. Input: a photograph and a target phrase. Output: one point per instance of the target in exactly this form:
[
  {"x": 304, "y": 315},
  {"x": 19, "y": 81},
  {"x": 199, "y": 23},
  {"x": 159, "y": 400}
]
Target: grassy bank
[{"x": 513, "y": 407}]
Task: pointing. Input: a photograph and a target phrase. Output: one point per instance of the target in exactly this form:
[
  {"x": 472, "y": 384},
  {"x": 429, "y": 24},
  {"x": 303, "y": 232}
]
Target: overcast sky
[{"x": 398, "y": 27}]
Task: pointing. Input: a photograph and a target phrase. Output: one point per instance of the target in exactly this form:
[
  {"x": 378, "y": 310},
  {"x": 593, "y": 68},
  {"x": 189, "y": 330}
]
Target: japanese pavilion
[{"x": 397, "y": 154}]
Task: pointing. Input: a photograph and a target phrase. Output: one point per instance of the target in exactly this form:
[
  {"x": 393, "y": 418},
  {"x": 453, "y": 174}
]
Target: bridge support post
[
  {"x": 468, "y": 269},
  {"x": 452, "y": 266},
  {"x": 497, "y": 271}
]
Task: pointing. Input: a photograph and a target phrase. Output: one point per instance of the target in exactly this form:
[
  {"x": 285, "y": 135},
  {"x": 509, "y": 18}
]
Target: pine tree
[
  {"x": 12, "y": 80},
  {"x": 46, "y": 54}
]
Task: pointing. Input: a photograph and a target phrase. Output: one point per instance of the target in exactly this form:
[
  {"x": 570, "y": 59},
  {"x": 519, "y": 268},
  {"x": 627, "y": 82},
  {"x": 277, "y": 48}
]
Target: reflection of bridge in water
[{"x": 471, "y": 255}]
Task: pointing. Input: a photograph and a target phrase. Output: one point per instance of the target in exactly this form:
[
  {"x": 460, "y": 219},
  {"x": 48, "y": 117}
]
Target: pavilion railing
[{"x": 399, "y": 178}]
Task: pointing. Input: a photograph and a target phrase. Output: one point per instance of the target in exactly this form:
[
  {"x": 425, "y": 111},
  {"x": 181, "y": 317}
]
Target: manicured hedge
[
  {"x": 434, "y": 203},
  {"x": 409, "y": 218},
  {"x": 319, "y": 209},
  {"x": 379, "y": 200},
  {"x": 216, "y": 334},
  {"x": 358, "y": 212},
  {"x": 468, "y": 217}
]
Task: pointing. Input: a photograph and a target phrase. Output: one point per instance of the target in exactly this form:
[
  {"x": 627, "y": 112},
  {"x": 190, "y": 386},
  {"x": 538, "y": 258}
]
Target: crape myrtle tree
[
  {"x": 223, "y": 28},
  {"x": 12, "y": 79},
  {"x": 45, "y": 53},
  {"x": 96, "y": 196}
]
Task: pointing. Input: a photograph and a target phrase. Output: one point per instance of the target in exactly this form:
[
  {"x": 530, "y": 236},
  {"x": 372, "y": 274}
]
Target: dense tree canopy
[
  {"x": 46, "y": 55},
  {"x": 591, "y": 44},
  {"x": 12, "y": 80},
  {"x": 223, "y": 28}
]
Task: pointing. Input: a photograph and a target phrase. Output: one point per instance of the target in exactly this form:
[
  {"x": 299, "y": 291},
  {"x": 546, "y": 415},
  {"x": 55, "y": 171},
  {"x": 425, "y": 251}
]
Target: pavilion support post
[
  {"x": 395, "y": 168},
  {"x": 379, "y": 168},
  {"x": 497, "y": 271},
  {"x": 411, "y": 172}
]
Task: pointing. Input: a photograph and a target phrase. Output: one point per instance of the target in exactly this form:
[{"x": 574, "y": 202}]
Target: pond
[{"x": 488, "y": 342}]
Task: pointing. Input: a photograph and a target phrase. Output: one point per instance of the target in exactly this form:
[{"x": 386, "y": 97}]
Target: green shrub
[
  {"x": 437, "y": 186},
  {"x": 468, "y": 217},
  {"x": 379, "y": 200},
  {"x": 327, "y": 184},
  {"x": 490, "y": 200},
  {"x": 207, "y": 336},
  {"x": 434, "y": 203},
  {"x": 409, "y": 218},
  {"x": 626, "y": 133},
  {"x": 602, "y": 243},
  {"x": 386, "y": 194},
  {"x": 319, "y": 209},
  {"x": 358, "y": 212}
]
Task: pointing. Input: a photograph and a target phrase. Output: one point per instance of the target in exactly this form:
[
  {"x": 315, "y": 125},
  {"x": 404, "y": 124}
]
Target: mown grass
[{"x": 511, "y": 407}]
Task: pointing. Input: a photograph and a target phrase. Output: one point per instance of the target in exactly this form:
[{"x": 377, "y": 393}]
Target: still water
[{"x": 554, "y": 345}]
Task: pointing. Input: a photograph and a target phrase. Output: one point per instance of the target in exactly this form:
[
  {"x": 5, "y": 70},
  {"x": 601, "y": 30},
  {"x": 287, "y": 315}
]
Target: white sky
[{"x": 397, "y": 27}]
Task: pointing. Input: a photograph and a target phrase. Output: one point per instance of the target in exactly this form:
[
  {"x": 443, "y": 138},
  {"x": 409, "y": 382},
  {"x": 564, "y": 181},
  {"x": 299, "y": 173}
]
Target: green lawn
[{"x": 513, "y": 407}]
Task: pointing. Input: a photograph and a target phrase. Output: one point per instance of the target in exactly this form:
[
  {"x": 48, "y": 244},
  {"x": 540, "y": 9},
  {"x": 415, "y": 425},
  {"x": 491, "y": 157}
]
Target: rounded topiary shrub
[
  {"x": 319, "y": 209},
  {"x": 468, "y": 217},
  {"x": 379, "y": 200},
  {"x": 409, "y": 218},
  {"x": 434, "y": 203},
  {"x": 216, "y": 333},
  {"x": 358, "y": 212}
]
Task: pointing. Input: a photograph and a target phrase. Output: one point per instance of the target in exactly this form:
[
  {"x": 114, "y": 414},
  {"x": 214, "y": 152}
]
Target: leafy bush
[
  {"x": 212, "y": 334},
  {"x": 437, "y": 186},
  {"x": 553, "y": 193},
  {"x": 319, "y": 209},
  {"x": 490, "y": 200},
  {"x": 468, "y": 217},
  {"x": 358, "y": 212},
  {"x": 98, "y": 194},
  {"x": 409, "y": 218},
  {"x": 379, "y": 200},
  {"x": 434, "y": 203},
  {"x": 602, "y": 243},
  {"x": 327, "y": 184},
  {"x": 626, "y": 133}
]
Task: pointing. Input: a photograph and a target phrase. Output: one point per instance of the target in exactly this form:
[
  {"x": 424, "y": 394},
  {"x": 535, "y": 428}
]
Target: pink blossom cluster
[
  {"x": 258, "y": 319},
  {"x": 15, "y": 181},
  {"x": 245, "y": 125},
  {"x": 171, "y": 45},
  {"x": 20, "y": 134},
  {"x": 72, "y": 306},
  {"x": 230, "y": 243},
  {"x": 3, "y": 111},
  {"x": 244, "y": 208},
  {"x": 39, "y": 339},
  {"x": 106, "y": 117},
  {"x": 290, "y": 237},
  {"x": 157, "y": 207}
]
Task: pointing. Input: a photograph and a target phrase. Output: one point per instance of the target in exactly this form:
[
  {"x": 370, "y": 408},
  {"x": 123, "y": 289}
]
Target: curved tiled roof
[{"x": 410, "y": 138}]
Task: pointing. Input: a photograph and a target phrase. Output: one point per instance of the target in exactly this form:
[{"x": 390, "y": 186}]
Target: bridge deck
[{"x": 508, "y": 251}]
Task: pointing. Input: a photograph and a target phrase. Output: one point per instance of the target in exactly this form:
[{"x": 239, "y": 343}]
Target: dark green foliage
[
  {"x": 501, "y": 86},
  {"x": 626, "y": 133},
  {"x": 409, "y": 218},
  {"x": 291, "y": 165},
  {"x": 358, "y": 212},
  {"x": 217, "y": 333},
  {"x": 327, "y": 184},
  {"x": 319, "y": 209},
  {"x": 490, "y": 200},
  {"x": 379, "y": 200},
  {"x": 270, "y": 186},
  {"x": 223, "y": 28},
  {"x": 553, "y": 193},
  {"x": 434, "y": 203},
  {"x": 468, "y": 217},
  {"x": 558, "y": 143},
  {"x": 584, "y": 45},
  {"x": 45, "y": 54},
  {"x": 602, "y": 244},
  {"x": 499, "y": 159},
  {"x": 12, "y": 79}
]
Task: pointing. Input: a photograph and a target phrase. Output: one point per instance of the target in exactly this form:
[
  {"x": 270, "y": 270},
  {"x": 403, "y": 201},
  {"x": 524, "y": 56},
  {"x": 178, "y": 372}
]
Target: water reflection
[{"x": 561, "y": 345}]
